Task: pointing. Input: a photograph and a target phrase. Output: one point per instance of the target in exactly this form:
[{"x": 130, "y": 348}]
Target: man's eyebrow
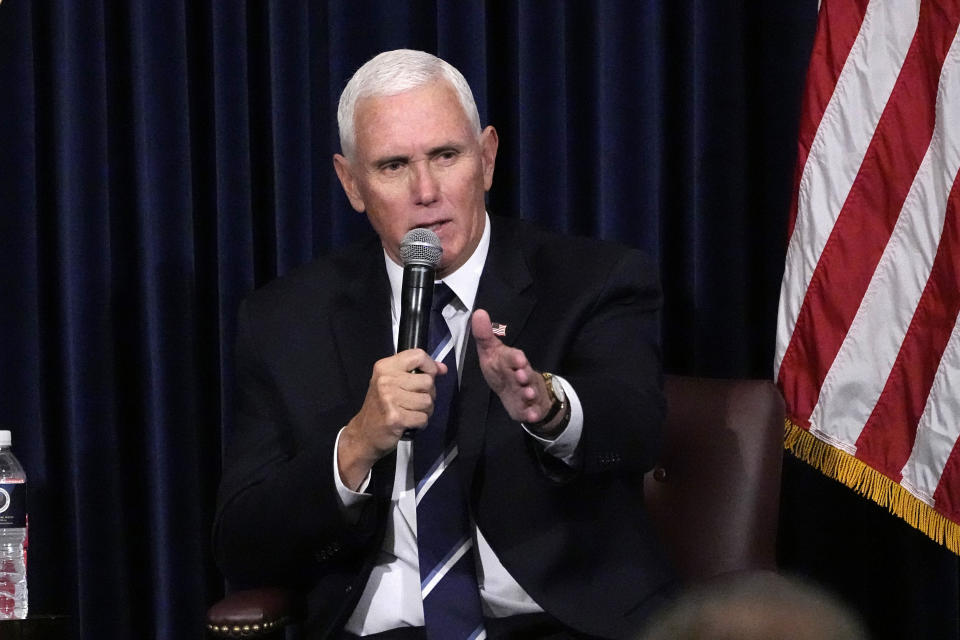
[
  {"x": 379, "y": 162},
  {"x": 435, "y": 151},
  {"x": 443, "y": 148}
]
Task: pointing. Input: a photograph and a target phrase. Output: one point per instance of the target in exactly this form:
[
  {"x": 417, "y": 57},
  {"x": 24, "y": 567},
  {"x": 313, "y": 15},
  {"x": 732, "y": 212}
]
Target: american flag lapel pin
[{"x": 499, "y": 329}]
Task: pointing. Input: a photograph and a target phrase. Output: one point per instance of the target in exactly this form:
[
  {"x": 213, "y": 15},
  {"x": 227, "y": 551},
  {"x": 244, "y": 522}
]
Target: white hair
[{"x": 394, "y": 72}]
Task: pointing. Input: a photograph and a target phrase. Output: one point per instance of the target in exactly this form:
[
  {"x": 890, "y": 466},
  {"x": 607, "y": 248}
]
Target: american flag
[
  {"x": 868, "y": 339},
  {"x": 499, "y": 329}
]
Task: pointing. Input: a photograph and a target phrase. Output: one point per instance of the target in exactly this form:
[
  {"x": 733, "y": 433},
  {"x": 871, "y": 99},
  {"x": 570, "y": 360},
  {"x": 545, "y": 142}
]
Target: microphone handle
[{"x": 416, "y": 297}]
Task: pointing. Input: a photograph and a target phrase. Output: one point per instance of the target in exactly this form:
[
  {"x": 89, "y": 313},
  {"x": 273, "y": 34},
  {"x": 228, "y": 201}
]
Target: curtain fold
[{"x": 160, "y": 160}]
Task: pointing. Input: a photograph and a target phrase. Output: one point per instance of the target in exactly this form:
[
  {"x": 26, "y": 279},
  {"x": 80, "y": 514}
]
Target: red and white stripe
[{"x": 868, "y": 346}]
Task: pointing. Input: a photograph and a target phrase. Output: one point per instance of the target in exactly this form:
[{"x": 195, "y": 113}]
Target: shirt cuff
[
  {"x": 564, "y": 445},
  {"x": 351, "y": 501}
]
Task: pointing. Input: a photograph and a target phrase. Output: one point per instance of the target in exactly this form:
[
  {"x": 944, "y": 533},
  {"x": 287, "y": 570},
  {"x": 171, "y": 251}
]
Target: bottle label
[{"x": 13, "y": 504}]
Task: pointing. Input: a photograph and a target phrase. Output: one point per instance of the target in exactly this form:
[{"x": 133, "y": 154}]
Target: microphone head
[{"x": 421, "y": 247}]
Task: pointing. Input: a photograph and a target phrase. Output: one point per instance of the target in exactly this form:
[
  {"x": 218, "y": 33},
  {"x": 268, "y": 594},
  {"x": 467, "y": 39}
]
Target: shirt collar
[{"x": 464, "y": 281}]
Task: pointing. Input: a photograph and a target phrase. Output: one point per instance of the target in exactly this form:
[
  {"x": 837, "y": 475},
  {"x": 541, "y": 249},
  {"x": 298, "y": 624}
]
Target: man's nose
[{"x": 426, "y": 190}]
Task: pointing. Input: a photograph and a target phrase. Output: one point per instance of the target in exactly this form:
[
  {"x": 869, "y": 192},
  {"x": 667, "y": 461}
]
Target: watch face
[{"x": 556, "y": 389}]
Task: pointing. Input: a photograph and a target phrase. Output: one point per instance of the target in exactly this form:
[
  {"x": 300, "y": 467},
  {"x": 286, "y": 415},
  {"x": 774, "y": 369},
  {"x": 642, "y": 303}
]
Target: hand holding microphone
[{"x": 396, "y": 400}]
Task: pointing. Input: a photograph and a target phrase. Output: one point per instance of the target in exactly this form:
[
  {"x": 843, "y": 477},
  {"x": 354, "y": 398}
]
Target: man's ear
[
  {"x": 345, "y": 172},
  {"x": 489, "y": 142}
]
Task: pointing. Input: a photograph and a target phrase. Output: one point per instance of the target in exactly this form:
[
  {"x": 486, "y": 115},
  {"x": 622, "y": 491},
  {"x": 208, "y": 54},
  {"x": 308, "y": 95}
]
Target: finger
[
  {"x": 518, "y": 360},
  {"x": 420, "y": 382},
  {"x": 416, "y": 402},
  {"x": 482, "y": 330},
  {"x": 398, "y": 416},
  {"x": 411, "y": 359},
  {"x": 414, "y": 420},
  {"x": 523, "y": 376},
  {"x": 413, "y": 427},
  {"x": 531, "y": 414},
  {"x": 433, "y": 368}
]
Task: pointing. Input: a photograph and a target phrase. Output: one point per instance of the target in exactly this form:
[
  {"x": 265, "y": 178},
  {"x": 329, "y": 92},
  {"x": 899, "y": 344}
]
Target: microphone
[{"x": 420, "y": 251}]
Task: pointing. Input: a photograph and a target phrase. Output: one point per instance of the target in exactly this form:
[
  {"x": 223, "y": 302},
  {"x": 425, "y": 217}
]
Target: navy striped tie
[{"x": 448, "y": 578}]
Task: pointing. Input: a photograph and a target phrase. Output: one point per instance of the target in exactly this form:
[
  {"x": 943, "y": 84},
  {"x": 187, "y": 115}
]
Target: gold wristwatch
[{"x": 558, "y": 404}]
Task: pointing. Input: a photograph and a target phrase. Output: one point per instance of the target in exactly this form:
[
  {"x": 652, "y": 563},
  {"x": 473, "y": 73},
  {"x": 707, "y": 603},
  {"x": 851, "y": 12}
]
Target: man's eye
[
  {"x": 446, "y": 157},
  {"x": 392, "y": 167}
]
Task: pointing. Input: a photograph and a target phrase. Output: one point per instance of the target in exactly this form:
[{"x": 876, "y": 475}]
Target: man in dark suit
[{"x": 320, "y": 490}]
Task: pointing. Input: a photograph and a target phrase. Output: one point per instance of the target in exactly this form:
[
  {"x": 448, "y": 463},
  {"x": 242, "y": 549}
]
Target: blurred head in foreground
[{"x": 756, "y": 606}]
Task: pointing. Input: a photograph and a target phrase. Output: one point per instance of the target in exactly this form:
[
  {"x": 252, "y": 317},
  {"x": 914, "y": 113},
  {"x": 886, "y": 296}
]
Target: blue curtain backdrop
[{"x": 158, "y": 160}]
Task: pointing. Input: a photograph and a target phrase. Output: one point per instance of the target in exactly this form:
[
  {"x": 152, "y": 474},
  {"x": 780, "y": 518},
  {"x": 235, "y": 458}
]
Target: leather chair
[{"x": 714, "y": 495}]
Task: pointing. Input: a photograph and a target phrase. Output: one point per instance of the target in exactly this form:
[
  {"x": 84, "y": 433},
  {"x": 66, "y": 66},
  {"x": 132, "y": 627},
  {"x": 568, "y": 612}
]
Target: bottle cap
[{"x": 4, "y": 438}]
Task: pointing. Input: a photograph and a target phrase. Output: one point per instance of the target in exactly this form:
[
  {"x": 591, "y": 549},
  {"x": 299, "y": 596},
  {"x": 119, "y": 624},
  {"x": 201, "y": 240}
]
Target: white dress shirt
[{"x": 392, "y": 594}]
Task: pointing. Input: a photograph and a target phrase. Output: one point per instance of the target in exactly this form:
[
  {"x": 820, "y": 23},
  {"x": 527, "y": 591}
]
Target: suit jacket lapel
[{"x": 504, "y": 292}]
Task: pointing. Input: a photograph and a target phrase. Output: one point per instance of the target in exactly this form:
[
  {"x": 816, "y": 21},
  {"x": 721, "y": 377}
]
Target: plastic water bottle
[{"x": 13, "y": 534}]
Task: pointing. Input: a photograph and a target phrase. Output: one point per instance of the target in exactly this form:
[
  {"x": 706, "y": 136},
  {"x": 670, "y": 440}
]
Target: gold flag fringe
[{"x": 869, "y": 482}]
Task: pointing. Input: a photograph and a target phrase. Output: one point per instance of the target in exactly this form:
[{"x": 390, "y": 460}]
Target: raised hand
[{"x": 509, "y": 374}]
